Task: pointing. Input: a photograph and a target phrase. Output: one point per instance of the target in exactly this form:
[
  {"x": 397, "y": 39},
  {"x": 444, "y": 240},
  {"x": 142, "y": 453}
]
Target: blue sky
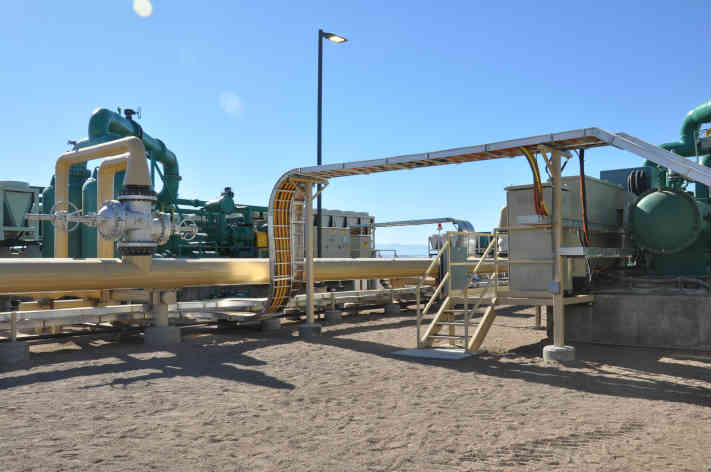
[{"x": 230, "y": 87}]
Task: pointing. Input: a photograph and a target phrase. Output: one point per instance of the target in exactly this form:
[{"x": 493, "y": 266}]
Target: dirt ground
[{"x": 244, "y": 400}]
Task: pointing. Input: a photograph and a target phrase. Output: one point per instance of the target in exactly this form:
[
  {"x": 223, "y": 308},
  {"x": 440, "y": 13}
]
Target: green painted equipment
[
  {"x": 686, "y": 146},
  {"x": 47, "y": 229},
  {"x": 668, "y": 223},
  {"x": 106, "y": 125},
  {"x": 225, "y": 229},
  {"x": 78, "y": 174}
]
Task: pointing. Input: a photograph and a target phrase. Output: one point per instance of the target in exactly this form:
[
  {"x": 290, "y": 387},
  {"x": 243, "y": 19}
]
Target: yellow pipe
[
  {"x": 53, "y": 295},
  {"x": 136, "y": 174},
  {"x": 105, "y": 191},
  {"x": 31, "y": 275}
]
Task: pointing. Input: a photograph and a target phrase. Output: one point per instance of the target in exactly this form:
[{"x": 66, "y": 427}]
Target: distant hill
[{"x": 403, "y": 250}]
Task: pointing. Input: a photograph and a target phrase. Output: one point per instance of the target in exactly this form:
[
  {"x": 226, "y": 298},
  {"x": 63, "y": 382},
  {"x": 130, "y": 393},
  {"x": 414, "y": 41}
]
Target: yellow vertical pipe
[{"x": 105, "y": 191}]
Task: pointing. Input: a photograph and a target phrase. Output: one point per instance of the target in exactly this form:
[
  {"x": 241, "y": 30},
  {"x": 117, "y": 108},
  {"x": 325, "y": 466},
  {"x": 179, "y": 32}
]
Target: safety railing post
[{"x": 419, "y": 309}]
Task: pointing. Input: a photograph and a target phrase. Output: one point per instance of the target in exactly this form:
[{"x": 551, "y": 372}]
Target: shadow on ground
[{"x": 604, "y": 370}]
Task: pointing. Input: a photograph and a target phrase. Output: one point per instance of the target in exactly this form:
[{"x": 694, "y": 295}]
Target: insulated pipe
[
  {"x": 105, "y": 191},
  {"x": 32, "y": 275},
  {"x": 136, "y": 174}
]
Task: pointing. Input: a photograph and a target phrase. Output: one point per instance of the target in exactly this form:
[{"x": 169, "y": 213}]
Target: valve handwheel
[
  {"x": 188, "y": 230},
  {"x": 63, "y": 218}
]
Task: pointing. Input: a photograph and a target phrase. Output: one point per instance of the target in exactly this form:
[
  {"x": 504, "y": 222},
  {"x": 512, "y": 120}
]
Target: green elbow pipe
[
  {"x": 686, "y": 146},
  {"x": 106, "y": 125}
]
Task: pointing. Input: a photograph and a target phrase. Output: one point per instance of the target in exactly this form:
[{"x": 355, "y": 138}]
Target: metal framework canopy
[
  {"x": 564, "y": 141},
  {"x": 286, "y": 244}
]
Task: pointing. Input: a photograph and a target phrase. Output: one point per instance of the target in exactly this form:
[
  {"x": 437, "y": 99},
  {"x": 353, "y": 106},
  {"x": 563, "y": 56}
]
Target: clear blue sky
[{"x": 231, "y": 88}]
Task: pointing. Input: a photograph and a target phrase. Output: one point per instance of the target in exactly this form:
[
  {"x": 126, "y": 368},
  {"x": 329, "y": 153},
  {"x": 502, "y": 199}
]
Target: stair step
[
  {"x": 451, "y": 323},
  {"x": 444, "y": 336}
]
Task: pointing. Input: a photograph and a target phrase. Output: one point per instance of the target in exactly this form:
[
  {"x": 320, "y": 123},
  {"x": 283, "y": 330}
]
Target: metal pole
[
  {"x": 558, "y": 308},
  {"x": 419, "y": 310},
  {"x": 318, "y": 140},
  {"x": 13, "y": 326},
  {"x": 308, "y": 242}
]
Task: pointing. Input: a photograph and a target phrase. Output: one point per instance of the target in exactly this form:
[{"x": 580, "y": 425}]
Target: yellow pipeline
[
  {"x": 136, "y": 174},
  {"x": 105, "y": 191},
  {"x": 32, "y": 275}
]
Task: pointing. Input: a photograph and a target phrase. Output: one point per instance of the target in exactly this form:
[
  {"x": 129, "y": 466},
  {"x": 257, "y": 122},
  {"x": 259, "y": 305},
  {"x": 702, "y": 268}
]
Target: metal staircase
[{"x": 456, "y": 321}]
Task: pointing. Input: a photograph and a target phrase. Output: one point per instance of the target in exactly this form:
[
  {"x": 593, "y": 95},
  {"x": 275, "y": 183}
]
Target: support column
[
  {"x": 161, "y": 333},
  {"x": 538, "y": 318},
  {"x": 392, "y": 308},
  {"x": 270, "y": 324},
  {"x": 558, "y": 351},
  {"x": 310, "y": 328},
  {"x": 14, "y": 352},
  {"x": 332, "y": 315}
]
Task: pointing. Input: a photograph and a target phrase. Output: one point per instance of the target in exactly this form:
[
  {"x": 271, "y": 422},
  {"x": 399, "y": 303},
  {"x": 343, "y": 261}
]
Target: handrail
[
  {"x": 435, "y": 320},
  {"x": 436, "y": 292}
]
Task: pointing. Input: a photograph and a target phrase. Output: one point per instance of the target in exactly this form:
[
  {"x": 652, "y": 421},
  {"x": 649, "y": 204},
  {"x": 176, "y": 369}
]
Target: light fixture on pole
[{"x": 335, "y": 38}]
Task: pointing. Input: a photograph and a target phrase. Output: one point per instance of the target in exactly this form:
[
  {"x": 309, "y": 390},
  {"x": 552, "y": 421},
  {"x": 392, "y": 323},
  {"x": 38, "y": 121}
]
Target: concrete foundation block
[
  {"x": 559, "y": 353},
  {"x": 308, "y": 331},
  {"x": 668, "y": 321},
  {"x": 271, "y": 324},
  {"x": 162, "y": 336},
  {"x": 392, "y": 309},
  {"x": 14, "y": 353},
  {"x": 333, "y": 316}
]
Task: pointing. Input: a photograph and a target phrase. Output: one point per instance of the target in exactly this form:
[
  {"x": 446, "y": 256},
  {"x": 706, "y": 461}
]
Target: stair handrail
[
  {"x": 421, "y": 313},
  {"x": 436, "y": 292}
]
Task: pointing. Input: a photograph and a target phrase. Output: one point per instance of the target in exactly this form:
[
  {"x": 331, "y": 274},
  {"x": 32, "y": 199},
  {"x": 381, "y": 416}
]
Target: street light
[{"x": 334, "y": 38}]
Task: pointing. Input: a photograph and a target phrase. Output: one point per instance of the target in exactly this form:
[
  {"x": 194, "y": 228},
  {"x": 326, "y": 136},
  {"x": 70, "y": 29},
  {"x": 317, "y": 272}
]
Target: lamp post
[{"x": 334, "y": 38}]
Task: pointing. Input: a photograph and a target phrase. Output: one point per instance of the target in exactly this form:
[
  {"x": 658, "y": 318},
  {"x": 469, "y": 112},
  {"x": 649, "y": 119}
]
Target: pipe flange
[
  {"x": 136, "y": 190},
  {"x": 136, "y": 198},
  {"x": 136, "y": 249}
]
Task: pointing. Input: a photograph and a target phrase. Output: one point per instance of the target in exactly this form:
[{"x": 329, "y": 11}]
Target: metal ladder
[{"x": 298, "y": 246}]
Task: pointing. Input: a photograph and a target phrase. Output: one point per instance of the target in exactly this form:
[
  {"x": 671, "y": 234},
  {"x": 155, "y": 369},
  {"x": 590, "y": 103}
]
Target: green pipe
[
  {"x": 686, "y": 146},
  {"x": 106, "y": 125}
]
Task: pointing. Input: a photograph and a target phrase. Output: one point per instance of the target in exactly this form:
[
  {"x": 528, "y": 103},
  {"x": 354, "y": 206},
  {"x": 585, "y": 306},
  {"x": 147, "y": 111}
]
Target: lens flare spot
[{"x": 143, "y": 8}]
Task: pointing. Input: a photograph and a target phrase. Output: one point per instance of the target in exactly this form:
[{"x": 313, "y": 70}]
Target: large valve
[{"x": 129, "y": 220}]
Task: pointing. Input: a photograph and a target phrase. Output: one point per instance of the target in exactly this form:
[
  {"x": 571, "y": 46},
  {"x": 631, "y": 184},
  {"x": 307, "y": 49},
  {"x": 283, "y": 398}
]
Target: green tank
[
  {"x": 78, "y": 173},
  {"x": 666, "y": 222},
  {"x": 47, "y": 227},
  {"x": 674, "y": 227}
]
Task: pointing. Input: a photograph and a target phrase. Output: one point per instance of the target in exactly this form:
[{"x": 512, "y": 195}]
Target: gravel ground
[{"x": 244, "y": 400}]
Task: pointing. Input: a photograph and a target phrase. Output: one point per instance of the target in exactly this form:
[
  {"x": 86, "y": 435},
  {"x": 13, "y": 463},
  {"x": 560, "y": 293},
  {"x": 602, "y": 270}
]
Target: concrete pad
[
  {"x": 162, "y": 336},
  {"x": 559, "y": 353},
  {"x": 392, "y": 309},
  {"x": 436, "y": 353},
  {"x": 270, "y": 324},
  {"x": 333, "y": 316},
  {"x": 307, "y": 331},
  {"x": 14, "y": 352}
]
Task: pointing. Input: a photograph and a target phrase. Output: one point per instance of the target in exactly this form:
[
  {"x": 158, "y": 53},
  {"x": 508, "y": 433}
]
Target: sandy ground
[{"x": 243, "y": 400}]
